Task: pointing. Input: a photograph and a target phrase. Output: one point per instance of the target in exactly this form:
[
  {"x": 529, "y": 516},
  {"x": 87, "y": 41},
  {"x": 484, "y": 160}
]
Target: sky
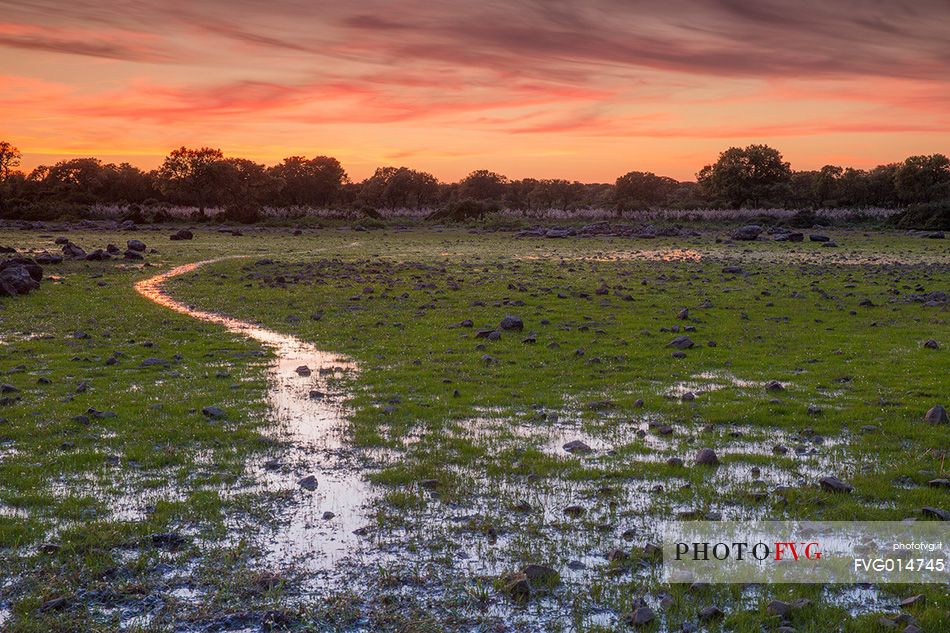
[{"x": 527, "y": 88}]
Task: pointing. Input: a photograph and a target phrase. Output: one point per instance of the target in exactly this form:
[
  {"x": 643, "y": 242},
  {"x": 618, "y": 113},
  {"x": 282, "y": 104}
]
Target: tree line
[{"x": 756, "y": 176}]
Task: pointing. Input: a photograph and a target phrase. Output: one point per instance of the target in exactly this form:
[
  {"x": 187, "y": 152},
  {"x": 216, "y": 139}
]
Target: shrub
[
  {"x": 462, "y": 210},
  {"x": 804, "y": 219},
  {"x": 928, "y": 216}
]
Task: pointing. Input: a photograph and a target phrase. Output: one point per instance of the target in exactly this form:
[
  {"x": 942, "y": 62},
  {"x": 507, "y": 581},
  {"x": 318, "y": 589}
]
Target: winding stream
[{"x": 310, "y": 419}]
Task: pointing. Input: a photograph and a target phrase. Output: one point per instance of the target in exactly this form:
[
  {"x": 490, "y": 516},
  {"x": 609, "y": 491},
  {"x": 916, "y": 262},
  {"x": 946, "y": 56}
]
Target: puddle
[{"x": 309, "y": 412}]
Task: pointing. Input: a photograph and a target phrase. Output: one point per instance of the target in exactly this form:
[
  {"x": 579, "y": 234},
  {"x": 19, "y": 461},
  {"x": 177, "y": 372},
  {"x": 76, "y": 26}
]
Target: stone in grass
[
  {"x": 912, "y": 600},
  {"x": 711, "y": 613},
  {"x": 937, "y": 415},
  {"x": 136, "y": 245},
  {"x": 308, "y": 483},
  {"x": 641, "y": 616},
  {"x": 183, "y": 234},
  {"x": 511, "y": 323},
  {"x": 931, "y": 344},
  {"x": 577, "y": 447},
  {"x": 777, "y": 607},
  {"x": 936, "y": 513},
  {"x": 215, "y": 413},
  {"x": 833, "y": 484},
  {"x": 774, "y": 385},
  {"x": 681, "y": 342},
  {"x": 166, "y": 540},
  {"x": 706, "y": 457}
]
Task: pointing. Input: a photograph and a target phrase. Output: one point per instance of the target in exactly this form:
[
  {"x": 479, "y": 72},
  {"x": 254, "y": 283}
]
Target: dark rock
[
  {"x": 213, "y": 412},
  {"x": 711, "y": 613},
  {"x": 166, "y": 540},
  {"x": 640, "y": 616},
  {"x": 183, "y": 234},
  {"x": 937, "y": 415},
  {"x": 511, "y": 323},
  {"x": 706, "y": 457},
  {"x": 73, "y": 251},
  {"x": 833, "y": 484},
  {"x": 48, "y": 258},
  {"x": 774, "y": 385},
  {"x": 308, "y": 483},
  {"x": 777, "y": 607},
  {"x": 132, "y": 255},
  {"x": 935, "y": 513},
  {"x": 136, "y": 245},
  {"x": 18, "y": 279},
  {"x": 577, "y": 447},
  {"x": 819, "y": 238},
  {"x": 681, "y": 342},
  {"x": 931, "y": 344},
  {"x": 747, "y": 233}
]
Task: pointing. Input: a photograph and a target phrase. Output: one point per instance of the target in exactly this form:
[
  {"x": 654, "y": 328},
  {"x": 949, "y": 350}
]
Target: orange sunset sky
[{"x": 549, "y": 89}]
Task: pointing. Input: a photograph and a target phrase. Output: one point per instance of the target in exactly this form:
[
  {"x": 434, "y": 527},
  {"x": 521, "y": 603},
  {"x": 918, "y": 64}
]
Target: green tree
[
  {"x": 639, "y": 189},
  {"x": 923, "y": 179},
  {"x": 191, "y": 175},
  {"x": 301, "y": 181},
  {"x": 751, "y": 175},
  {"x": 483, "y": 185},
  {"x": 9, "y": 159}
]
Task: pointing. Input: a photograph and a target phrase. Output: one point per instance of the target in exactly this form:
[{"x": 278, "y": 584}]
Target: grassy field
[{"x": 122, "y": 505}]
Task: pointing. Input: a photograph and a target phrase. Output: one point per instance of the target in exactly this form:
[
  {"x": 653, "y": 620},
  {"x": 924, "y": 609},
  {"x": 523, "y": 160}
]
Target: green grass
[{"x": 426, "y": 394}]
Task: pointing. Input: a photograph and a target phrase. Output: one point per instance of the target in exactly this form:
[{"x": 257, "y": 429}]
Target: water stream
[{"x": 309, "y": 415}]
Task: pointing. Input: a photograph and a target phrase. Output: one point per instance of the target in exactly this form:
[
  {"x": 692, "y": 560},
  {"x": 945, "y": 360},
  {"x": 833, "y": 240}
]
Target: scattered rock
[
  {"x": 937, "y": 415},
  {"x": 707, "y": 457},
  {"x": 681, "y": 342},
  {"x": 935, "y": 513},
  {"x": 774, "y": 385},
  {"x": 308, "y": 483},
  {"x": 640, "y": 616},
  {"x": 136, "y": 245},
  {"x": 931, "y": 344},
  {"x": 212, "y": 412},
  {"x": 511, "y": 323},
  {"x": 747, "y": 233},
  {"x": 833, "y": 484},
  {"x": 577, "y": 447},
  {"x": 183, "y": 234}
]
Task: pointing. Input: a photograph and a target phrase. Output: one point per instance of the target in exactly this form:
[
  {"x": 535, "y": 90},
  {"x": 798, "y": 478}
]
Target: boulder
[
  {"x": 706, "y": 457},
  {"x": 511, "y": 323},
  {"x": 136, "y": 245},
  {"x": 747, "y": 233},
  {"x": 16, "y": 279},
  {"x": 937, "y": 415},
  {"x": 183, "y": 234},
  {"x": 833, "y": 484}
]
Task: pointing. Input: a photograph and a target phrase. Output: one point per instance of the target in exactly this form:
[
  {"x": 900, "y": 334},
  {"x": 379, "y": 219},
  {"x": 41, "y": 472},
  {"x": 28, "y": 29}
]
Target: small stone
[
  {"x": 303, "y": 370},
  {"x": 707, "y": 457},
  {"x": 511, "y": 323},
  {"x": 936, "y": 513},
  {"x": 308, "y": 483},
  {"x": 774, "y": 385},
  {"x": 911, "y": 601},
  {"x": 328, "y": 515},
  {"x": 710, "y": 613},
  {"x": 681, "y": 342},
  {"x": 212, "y": 412},
  {"x": 640, "y": 616},
  {"x": 931, "y": 344},
  {"x": 577, "y": 447},
  {"x": 777, "y": 607},
  {"x": 937, "y": 415},
  {"x": 833, "y": 484}
]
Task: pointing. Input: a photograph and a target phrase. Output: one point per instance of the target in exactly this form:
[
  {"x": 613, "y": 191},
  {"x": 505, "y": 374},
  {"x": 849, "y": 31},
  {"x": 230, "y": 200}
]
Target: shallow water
[{"x": 313, "y": 426}]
